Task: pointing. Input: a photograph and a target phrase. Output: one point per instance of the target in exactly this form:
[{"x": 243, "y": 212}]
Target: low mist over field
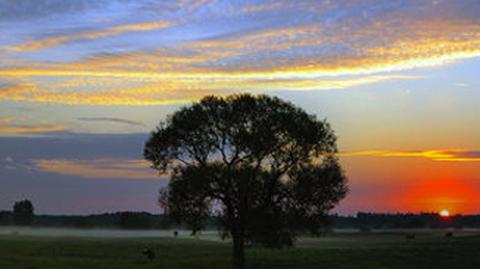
[{"x": 103, "y": 233}]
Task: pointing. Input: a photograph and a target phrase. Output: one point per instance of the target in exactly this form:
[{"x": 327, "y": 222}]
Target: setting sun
[{"x": 444, "y": 213}]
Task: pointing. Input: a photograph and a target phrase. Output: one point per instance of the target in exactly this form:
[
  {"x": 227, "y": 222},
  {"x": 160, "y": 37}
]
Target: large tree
[{"x": 265, "y": 167}]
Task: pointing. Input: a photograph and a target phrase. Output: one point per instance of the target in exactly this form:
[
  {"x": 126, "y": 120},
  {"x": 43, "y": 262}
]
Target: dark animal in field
[
  {"x": 148, "y": 253},
  {"x": 448, "y": 234},
  {"x": 175, "y": 234},
  {"x": 410, "y": 236}
]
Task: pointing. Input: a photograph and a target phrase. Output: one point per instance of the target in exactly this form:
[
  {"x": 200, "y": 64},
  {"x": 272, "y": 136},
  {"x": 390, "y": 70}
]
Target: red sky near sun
[{"x": 411, "y": 184}]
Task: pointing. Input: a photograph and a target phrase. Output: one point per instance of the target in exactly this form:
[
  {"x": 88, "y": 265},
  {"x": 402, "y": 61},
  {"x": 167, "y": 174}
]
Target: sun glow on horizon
[{"x": 444, "y": 213}]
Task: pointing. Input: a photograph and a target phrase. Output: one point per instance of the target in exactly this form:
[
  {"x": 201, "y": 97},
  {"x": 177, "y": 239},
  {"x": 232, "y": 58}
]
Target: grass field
[{"x": 339, "y": 250}]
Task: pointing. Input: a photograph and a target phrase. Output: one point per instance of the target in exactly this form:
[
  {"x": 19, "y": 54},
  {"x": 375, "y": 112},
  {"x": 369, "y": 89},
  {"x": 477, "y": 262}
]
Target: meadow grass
[{"x": 339, "y": 250}]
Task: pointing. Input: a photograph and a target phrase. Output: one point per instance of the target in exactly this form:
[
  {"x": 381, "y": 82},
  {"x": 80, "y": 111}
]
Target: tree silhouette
[
  {"x": 23, "y": 212},
  {"x": 266, "y": 168}
]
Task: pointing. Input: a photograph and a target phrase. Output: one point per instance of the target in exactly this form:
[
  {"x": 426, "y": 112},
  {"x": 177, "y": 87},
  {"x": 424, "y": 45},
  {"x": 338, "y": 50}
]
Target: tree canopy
[
  {"x": 23, "y": 212},
  {"x": 265, "y": 167}
]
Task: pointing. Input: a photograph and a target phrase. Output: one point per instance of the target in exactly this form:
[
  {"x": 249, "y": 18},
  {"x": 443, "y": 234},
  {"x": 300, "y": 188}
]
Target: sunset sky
[{"x": 82, "y": 83}]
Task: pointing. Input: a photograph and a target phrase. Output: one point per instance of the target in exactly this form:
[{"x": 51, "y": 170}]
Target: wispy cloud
[
  {"x": 193, "y": 5},
  {"x": 12, "y": 10},
  {"x": 6, "y": 120},
  {"x": 98, "y": 168},
  {"x": 462, "y": 85},
  {"x": 161, "y": 90},
  {"x": 112, "y": 31},
  {"x": 262, "y": 7},
  {"x": 199, "y": 56},
  {"x": 156, "y": 94},
  {"x": 8, "y": 163},
  {"x": 113, "y": 120},
  {"x": 8, "y": 126},
  {"x": 30, "y": 129},
  {"x": 464, "y": 155}
]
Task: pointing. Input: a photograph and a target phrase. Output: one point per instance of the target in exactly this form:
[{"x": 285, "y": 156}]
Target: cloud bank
[{"x": 183, "y": 50}]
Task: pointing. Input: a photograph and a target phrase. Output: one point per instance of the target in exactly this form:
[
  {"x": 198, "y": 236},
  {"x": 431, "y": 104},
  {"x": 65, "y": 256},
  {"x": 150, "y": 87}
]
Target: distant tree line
[
  {"x": 143, "y": 221},
  {"x": 367, "y": 221},
  {"x": 117, "y": 220},
  {"x": 23, "y": 215}
]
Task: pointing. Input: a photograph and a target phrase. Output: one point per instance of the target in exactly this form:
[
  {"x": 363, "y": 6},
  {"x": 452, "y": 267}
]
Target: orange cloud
[
  {"x": 294, "y": 58},
  {"x": 429, "y": 42},
  {"x": 158, "y": 94},
  {"x": 30, "y": 129},
  {"x": 6, "y": 120},
  {"x": 98, "y": 168},
  {"x": 416, "y": 42},
  {"x": 6, "y": 127},
  {"x": 170, "y": 91},
  {"x": 436, "y": 155}
]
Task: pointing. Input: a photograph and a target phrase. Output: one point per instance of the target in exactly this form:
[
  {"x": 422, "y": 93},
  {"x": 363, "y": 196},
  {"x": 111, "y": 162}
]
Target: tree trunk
[{"x": 238, "y": 251}]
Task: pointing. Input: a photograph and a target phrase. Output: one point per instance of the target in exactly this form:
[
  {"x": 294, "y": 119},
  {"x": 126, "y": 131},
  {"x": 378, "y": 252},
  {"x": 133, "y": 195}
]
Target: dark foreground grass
[{"x": 370, "y": 251}]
